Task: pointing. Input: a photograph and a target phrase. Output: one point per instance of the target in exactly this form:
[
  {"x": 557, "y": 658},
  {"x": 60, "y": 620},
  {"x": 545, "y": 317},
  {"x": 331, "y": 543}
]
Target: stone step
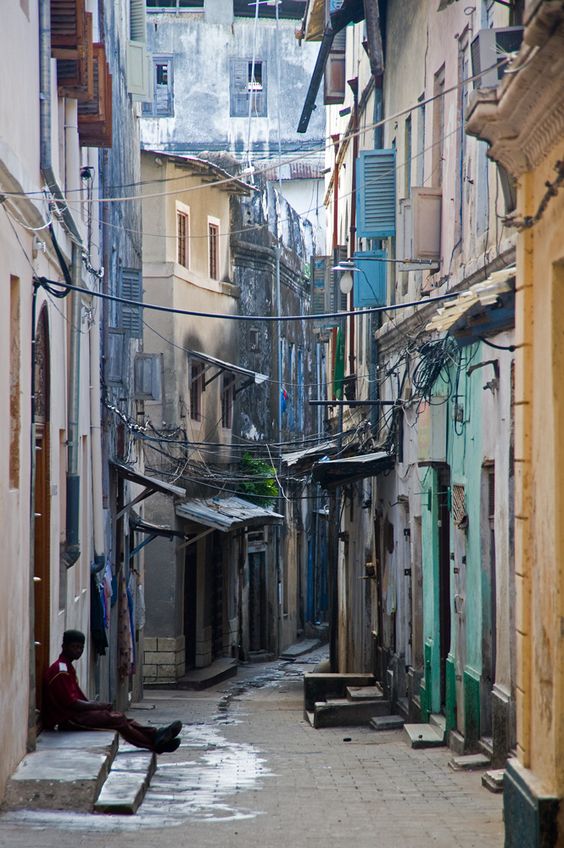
[
  {"x": 345, "y": 713},
  {"x": 65, "y": 772},
  {"x": 388, "y": 722},
  {"x": 493, "y": 780},
  {"x": 127, "y": 782},
  {"x": 424, "y": 736},
  {"x": 469, "y": 762},
  {"x": 364, "y": 693}
]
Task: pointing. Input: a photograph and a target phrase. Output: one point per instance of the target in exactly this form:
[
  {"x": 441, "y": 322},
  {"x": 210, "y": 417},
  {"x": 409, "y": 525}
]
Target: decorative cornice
[{"x": 524, "y": 117}]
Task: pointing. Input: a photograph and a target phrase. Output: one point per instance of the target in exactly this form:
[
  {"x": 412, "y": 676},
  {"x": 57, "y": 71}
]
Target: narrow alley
[{"x": 250, "y": 770}]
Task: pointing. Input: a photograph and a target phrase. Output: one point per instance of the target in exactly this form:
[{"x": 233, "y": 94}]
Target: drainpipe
[
  {"x": 96, "y": 448},
  {"x": 353, "y": 84},
  {"x": 72, "y": 547}
]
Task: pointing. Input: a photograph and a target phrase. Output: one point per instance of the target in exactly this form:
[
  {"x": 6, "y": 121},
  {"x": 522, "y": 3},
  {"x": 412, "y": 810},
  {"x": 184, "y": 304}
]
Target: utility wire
[{"x": 58, "y": 288}]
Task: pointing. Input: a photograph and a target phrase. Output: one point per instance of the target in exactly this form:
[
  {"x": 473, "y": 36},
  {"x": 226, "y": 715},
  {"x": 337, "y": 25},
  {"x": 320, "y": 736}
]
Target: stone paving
[{"x": 251, "y": 771}]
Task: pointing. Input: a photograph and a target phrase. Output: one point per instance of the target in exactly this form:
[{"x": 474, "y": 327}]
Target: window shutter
[
  {"x": 322, "y": 289},
  {"x": 131, "y": 290},
  {"x": 334, "y": 83},
  {"x": 138, "y": 70},
  {"x": 238, "y": 94},
  {"x": 137, "y": 21},
  {"x": 115, "y": 357},
  {"x": 369, "y": 286},
  {"x": 147, "y": 376},
  {"x": 95, "y": 115},
  {"x": 376, "y": 194}
]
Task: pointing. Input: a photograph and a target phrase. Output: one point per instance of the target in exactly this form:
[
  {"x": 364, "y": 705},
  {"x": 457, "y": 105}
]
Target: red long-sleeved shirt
[{"x": 60, "y": 692}]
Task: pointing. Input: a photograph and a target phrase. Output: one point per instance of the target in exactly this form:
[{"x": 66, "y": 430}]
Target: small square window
[{"x": 248, "y": 88}]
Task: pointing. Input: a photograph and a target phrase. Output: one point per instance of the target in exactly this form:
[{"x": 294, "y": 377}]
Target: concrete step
[
  {"x": 65, "y": 772},
  {"x": 321, "y": 686},
  {"x": 344, "y": 713},
  {"x": 201, "y": 678},
  {"x": 469, "y": 762},
  {"x": 364, "y": 693},
  {"x": 456, "y": 742},
  {"x": 438, "y": 721},
  {"x": 493, "y": 780},
  {"x": 127, "y": 782},
  {"x": 300, "y": 648},
  {"x": 388, "y": 722},
  {"x": 424, "y": 736}
]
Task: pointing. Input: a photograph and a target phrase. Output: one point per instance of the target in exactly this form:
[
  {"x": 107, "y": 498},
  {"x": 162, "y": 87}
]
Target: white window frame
[{"x": 183, "y": 209}]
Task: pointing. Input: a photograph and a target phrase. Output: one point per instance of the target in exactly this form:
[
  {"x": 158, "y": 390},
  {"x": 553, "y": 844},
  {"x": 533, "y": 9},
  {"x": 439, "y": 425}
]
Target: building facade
[
  {"x": 522, "y": 121},
  {"x": 423, "y": 551}
]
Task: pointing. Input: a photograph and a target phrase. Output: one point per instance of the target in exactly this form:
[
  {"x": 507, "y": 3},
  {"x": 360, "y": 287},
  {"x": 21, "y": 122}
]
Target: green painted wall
[
  {"x": 463, "y": 452},
  {"x": 430, "y": 563}
]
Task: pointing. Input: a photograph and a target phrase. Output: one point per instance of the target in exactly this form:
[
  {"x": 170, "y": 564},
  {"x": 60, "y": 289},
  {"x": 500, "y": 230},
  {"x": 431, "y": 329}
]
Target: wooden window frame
[
  {"x": 183, "y": 238},
  {"x": 227, "y": 399},
  {"x": 197, "y": 388},
  {"x": 213, "y": 248}
]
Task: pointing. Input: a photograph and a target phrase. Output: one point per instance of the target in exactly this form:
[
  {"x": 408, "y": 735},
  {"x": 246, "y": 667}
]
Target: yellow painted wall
[{"x": 539, "y": 439}]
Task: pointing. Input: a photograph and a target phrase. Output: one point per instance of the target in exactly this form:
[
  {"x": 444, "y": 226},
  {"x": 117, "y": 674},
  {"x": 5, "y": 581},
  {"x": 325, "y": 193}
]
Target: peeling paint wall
[{"x": 201, "y": 52}]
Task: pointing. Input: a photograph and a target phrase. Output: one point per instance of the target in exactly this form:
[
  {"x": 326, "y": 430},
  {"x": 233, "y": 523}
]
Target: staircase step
[
  {"x": 364, "y": 693},
  {"x": 493, "y": 780},
  {"x": 456, "y": 742},
  {"x": 469, "y": 762},
  {"x": 299, "y": 649},
  {"x": 424, "y": 736},
  {"x": 343, "y": 713},
  {"x": 127, "y": 782},
  {"x": 387, "y": 722},
  {"x": 438, "y": 721},
  {"x": 66, "y": 772}
]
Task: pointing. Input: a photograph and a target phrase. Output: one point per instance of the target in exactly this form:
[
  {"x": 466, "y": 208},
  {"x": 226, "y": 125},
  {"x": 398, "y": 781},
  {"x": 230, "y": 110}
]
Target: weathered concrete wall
[{"x": 201, "y": 52}]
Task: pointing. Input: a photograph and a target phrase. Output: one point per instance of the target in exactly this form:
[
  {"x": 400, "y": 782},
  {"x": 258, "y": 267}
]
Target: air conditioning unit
[
  {"x": 488, "y": 48},
  {"x": 419, "y": 230}
]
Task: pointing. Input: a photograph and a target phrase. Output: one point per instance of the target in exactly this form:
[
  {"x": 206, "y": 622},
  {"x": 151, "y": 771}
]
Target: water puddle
[{"x": 201, "y": 786}]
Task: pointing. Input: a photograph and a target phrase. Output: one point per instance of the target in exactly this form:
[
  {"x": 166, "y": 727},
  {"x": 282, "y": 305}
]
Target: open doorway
[{"x": 444, "y": 575}]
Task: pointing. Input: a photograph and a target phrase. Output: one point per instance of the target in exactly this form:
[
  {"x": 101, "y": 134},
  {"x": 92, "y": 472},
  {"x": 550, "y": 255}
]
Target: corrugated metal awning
[
  {"x": 336, "y": 472},
  {"x": 226, "y": 514},
  {"x": 311, "y": 454},
  {"x": 476, "y": 300},
  {"x": 254, "y": 376}
]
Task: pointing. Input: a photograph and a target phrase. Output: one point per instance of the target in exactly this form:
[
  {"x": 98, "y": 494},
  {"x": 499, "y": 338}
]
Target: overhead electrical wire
[
  {"x": 225, "y": 181},
  {"x": 58, "y": 288}
]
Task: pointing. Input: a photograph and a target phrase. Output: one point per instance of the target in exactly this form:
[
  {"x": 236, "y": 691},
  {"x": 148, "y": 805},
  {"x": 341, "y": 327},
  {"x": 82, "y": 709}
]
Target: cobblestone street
[{"x": 250, "y": 770}]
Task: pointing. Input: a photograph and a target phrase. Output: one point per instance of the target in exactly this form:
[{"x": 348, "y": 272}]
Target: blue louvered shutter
[
  {"x": 131, "y": 290},
  {"x": 369, "y": 286},
  {"x": 376, "y": 194}
]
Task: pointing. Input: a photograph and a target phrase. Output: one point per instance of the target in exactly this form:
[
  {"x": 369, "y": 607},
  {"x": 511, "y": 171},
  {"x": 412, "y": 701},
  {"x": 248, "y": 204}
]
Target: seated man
[{"x": 66, "y": 706}]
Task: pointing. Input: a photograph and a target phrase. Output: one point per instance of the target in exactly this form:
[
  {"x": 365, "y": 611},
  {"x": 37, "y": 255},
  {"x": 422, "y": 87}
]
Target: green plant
[{"x": 262, "y": 489}]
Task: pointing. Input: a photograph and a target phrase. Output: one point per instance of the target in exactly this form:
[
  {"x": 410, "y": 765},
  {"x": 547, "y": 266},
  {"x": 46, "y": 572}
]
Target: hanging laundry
[{"x": 97, "y": 623}]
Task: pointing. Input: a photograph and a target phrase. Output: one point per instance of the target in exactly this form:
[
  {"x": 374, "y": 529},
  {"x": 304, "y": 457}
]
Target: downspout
[
  {"x": 353, "y": 85},
  {"x": 72, "y": 547},
  {"x": 96, "y": 448}
]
